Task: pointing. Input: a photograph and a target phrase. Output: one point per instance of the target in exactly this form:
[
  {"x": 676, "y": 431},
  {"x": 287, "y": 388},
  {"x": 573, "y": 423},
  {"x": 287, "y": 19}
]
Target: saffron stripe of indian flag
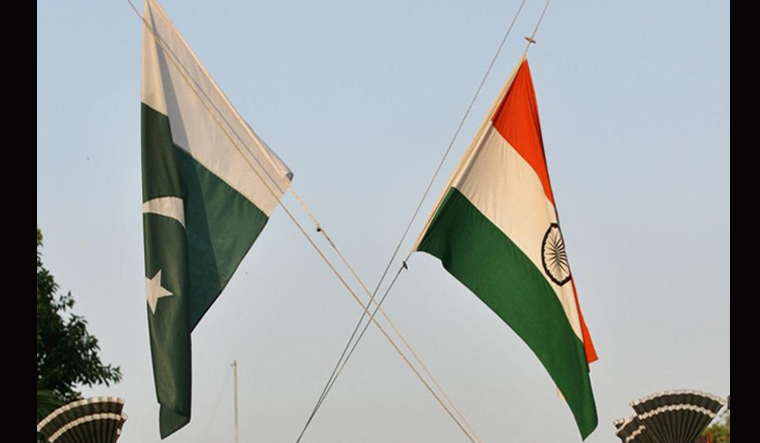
[{"x": 490, "y": 231}]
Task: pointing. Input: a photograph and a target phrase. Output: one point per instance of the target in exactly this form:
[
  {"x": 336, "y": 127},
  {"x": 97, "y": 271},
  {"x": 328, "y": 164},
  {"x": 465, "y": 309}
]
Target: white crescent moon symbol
[{"x": 172, "y": 207}]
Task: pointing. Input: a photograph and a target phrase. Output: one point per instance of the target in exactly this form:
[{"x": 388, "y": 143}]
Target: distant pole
[{"x": 234, "y": 374}]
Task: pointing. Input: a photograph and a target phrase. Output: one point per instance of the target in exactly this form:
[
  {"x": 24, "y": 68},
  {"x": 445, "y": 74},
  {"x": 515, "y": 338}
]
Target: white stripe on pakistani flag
[
  {"x": 172, "y": 207},
  {"x": 186, "y": 93},
  {"x": 507, "y": 191}
]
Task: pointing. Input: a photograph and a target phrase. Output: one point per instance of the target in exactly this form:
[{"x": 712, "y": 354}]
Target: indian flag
[
  {"x": 496, "y": 230},
  {"x": 209, "y": 187}
]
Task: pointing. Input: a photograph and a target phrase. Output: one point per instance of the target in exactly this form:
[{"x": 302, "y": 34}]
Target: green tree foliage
[
  {"x": 67, "y": 355},
  {"x": 721, "y": 429}
]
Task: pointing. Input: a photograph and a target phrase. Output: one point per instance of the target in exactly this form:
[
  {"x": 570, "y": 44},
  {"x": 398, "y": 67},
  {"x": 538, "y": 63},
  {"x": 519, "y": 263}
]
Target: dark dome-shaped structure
[
  {"x": 93, "y": 420},
  {"x": 669, "y": 417}
]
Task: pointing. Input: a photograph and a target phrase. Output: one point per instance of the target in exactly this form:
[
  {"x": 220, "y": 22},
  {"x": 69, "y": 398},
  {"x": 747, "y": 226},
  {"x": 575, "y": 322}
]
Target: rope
[
  {"x": 341, "y": 363},
  {"x": 344, "y": 357},
  {"x": 454, "y": 138},
  {"x": 183, "y": 72},
  {"x": 532, "y": 39}
]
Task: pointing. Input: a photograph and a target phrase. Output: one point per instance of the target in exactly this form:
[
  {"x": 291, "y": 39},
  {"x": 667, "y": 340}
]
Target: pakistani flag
[
  {"x": 209, "y": 187},
  {"x": 496, "y": 230}
]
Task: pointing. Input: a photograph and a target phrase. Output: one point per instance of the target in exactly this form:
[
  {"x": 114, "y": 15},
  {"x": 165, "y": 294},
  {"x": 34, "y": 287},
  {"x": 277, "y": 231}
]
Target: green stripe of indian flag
[
  {"x": 507, "y": 191},
  {"x": 203, "y": 121},
  {"x": 483, "y": 258}
]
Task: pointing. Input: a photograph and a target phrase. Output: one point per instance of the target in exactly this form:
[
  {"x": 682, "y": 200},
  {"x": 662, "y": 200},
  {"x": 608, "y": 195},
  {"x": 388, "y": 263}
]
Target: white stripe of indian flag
[{"x": 508, "y": 192}]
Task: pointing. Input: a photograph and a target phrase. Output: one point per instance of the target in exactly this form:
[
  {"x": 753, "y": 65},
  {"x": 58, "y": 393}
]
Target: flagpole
[{"x": 235, "y": 383}]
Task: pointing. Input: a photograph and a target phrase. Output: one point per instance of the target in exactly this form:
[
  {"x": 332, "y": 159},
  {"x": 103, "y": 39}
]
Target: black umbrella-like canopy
[
  {"x": 93, "y": 420},
  {"x": 669, "y": 417}
]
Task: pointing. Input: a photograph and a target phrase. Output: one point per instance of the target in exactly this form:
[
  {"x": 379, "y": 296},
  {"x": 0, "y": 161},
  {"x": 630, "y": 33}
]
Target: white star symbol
[{"x": 155, "y": 290}]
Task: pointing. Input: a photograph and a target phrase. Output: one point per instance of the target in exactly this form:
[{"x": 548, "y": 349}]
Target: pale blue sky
[{"x": 360, "y": 99}]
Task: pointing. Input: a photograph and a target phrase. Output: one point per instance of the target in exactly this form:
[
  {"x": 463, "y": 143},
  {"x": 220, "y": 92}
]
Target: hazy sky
[{"x": 360, "y": 99}]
